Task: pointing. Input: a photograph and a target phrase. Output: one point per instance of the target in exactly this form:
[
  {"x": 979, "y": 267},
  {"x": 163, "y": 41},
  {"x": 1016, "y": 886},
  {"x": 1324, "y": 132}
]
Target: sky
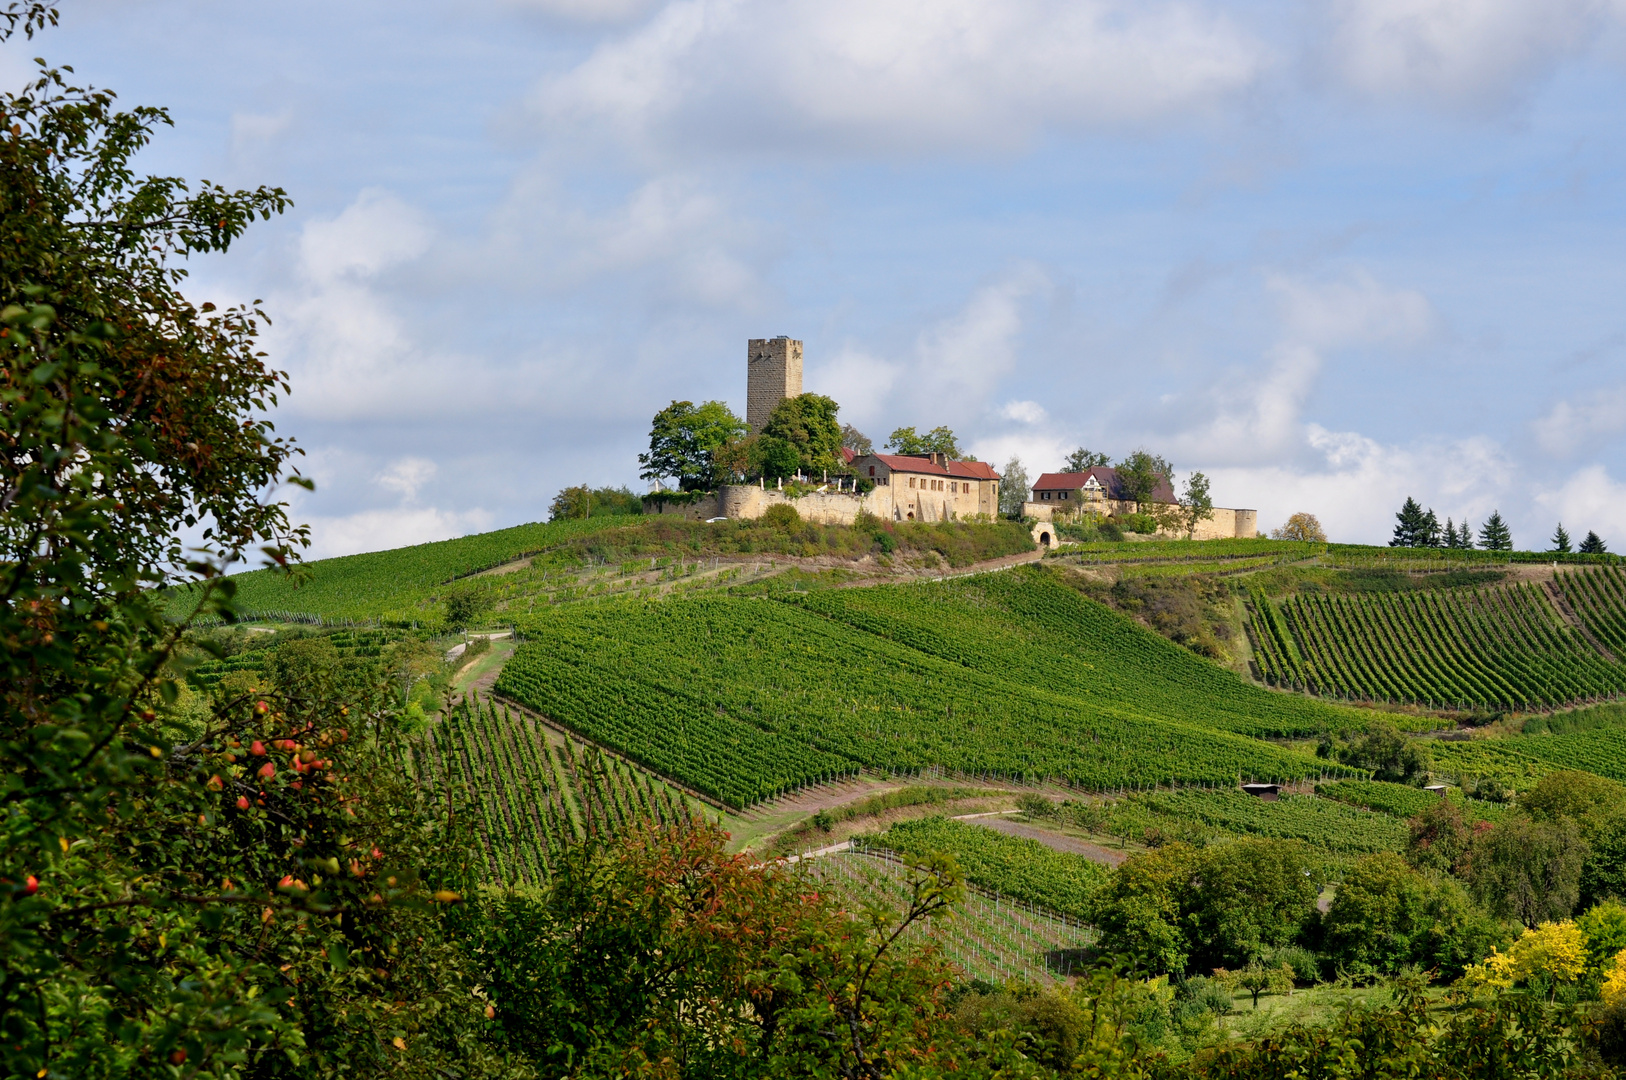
[{"x": 1330, "y": 254}]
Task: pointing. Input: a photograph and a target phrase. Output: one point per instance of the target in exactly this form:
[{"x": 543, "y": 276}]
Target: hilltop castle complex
[{"x": 932, "y": 487}]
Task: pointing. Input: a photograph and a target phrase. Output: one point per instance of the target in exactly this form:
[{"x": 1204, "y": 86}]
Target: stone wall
[{"x": 1226, "y": 524}]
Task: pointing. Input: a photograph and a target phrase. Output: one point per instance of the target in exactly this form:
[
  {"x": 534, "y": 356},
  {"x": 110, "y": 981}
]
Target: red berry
[
  {"x": 257, "y": 749},
  {"x": 32, "y": 885},
  {"x": 268, "y": 770},
  {"x": 242, "y": 802}
]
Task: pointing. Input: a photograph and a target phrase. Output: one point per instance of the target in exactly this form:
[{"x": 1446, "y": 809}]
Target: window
[
  {"x": 911, "y": 481},
  {"x": 872, "y": 470},
  {"x": 953, "y": 487},
  {"x": 1064, "y": 495}
]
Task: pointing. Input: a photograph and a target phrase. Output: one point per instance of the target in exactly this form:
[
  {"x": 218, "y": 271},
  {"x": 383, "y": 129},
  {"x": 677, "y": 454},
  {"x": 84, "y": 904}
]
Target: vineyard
[
  {"x": 347, "y": 643},
  {"x": 742, "y": 699},
  {"x": 1010, "y": 866},
  {"x": 1030, "y": 628},
  {"x": 1404, "y": 801},
  {"x": 1598, "y": 598},
  {"x": 1502, "y": 647},
  {"x": 996, "y": 939},
  {"x": 393, "y": 586},
  {"x": 1325, "y": 824},
  {"x": 533, "y": 794}
]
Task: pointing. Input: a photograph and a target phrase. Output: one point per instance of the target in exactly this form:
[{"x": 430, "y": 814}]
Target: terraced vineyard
[
  {"x": 1029, "y": 628},
  {"x": 1520, "y": 761},
  {"x": 1503, "y": 647},
  {"x": 1324, "y": 823},
  {"x": 533, "y": 794},
  {"x": 994, "y": 939},
  {"x": 348, "y": 643},
  {"x": 1598, "y": 598},
  {"x": 1011, "y": 866},
  {"x": 1404, "y": 801},
  {"x": 742, "y": 699}
]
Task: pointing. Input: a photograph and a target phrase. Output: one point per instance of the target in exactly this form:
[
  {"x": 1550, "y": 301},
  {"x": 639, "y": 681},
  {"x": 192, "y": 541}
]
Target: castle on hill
[{"x": 906, "y": 487}]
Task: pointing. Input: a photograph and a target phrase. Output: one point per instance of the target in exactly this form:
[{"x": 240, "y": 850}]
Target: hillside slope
[
  {"x": 741, "y": 698},
  {"x": 1027, "y": 627}
]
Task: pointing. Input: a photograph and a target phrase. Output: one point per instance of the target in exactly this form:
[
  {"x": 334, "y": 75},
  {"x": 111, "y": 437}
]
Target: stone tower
[{"x": 773, "y": 373}]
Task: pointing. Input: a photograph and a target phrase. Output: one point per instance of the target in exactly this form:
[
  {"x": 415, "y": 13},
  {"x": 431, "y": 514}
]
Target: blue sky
[{"x": 1331, "y": 254}]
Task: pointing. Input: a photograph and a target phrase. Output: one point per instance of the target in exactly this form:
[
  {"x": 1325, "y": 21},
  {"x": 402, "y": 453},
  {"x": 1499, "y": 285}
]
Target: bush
[
  {"x": 782, "y": 517},
  {"x": 1144, "y": 524}
]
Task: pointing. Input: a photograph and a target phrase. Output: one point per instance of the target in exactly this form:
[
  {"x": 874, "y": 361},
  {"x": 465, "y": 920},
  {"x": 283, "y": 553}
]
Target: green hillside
[
  {"x": 1505, "y": 646},
  {"x": 742, "y": 698},
  {"x": 1025, "y": 626}
]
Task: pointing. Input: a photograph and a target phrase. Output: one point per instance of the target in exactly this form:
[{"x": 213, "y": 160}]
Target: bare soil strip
[
  {"x": 1055, "y": 841},
  {"x": 1570, "y": 617}
]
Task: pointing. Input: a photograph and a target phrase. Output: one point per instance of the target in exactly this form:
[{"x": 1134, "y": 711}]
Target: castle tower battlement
[{"x": 773, "y": 373}]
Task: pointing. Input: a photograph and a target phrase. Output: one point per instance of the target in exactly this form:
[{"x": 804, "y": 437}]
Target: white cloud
[
  {"x": 1262, "y": 417},
  {"x": 381, "y": 530},
  {"x": 955, "y": 366},
  {"x": 1589, "y": 500},
  {"x": 896, "y": 75},
  {"x": 1024, "y": 412},
  {"x": 374, "y": 233},
  {"x": 1466, "y": 54},
  {"x": 1568, "y": 425},
  {"x": 1354, "y": 484},
  {"x": 407, "y": 475}
]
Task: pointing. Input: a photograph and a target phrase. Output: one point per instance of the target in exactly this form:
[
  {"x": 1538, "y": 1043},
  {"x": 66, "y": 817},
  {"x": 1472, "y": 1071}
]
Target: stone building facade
[
  {"x": 1100, "y": 491},
  {"x": 773, "y": 368}
]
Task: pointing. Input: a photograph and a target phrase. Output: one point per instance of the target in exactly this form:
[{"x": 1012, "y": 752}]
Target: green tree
[
  {"x": 176, "y": 906},
  {"x": 1494, "y": 534},
  {"x": 1385, "y": 915},
  {"x": 683, "y": 439},
  {"x": 1593, "y": 544},
  {"x": 1178, "y": 908},
  {"x": 1384, "y": 749},
  {"x": 1561, "y": 540},
  {"x": 1082, "y": 460},
  {"x": 584, "y": 502},
  {"x": 856, "y": 441},
  {"x": 1527, "y": 870},
  {"x": 808, "y": 423},
  {"x": 1439, "y": 838},
  {"x": 1428, "y": 533},
  {"x": 1013, "y": 488},
  {"x": 1301, "y": 526},
  {"x": 1141, "y": 475},
  {"x": 1196, "y": 506},
  {"x": 939, "y": 440},
  {"x": 1572, "y": 795},
  {"x": 1604, "y": 873},
  {"x": 1410, "y": 525}
]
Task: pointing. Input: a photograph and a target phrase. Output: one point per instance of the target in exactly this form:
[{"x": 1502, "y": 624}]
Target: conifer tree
[
  {"x": 1450, "y": 533},
  {"x": 1409, "y": 524},
  {"x": 1494, "y": 535},
  {"x": 1593, "y": 544},
  {"x": 1561, "y": 540},
  {"x": 1428, "y": 533}
]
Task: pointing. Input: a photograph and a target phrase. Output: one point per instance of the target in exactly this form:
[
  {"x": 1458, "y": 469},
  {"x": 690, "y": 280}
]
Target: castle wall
[
  {"x": 1226, "y": 524},
  {"x": 746, "y": 502},
  {"x": 773, "y": 372}
]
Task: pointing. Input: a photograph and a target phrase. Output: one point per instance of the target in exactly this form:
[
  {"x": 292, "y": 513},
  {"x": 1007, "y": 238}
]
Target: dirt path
[
  {"x": 1072, "y": 844},
  {"x": 1574, "y": 620}
]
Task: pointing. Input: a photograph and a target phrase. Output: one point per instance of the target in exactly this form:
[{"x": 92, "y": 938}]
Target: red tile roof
[
  {"x": 1107, "y": 477},
  {"x": 976, "y": 470}
]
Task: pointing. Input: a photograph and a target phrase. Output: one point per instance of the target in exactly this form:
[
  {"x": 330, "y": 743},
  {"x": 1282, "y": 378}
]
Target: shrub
[{"x": 781, "y": 516}]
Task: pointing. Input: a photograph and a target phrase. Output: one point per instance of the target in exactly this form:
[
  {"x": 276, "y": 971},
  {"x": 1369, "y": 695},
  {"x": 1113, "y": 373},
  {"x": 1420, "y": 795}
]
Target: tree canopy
[
  {"x": 1593, "y": 544},
  {"x": 1494, "y": 534},
  {"x": 1013, "y": 488},
  {"x": 939, "y": 440},
  {"x": 1140, "y": 475},
  {"x": 1082, "y": 460},
  {"x": 683, "y": 442},
  {"x": 807, "y": 423},
  {"x": 1301, "y": 526},
  {"x": 1416, "y": 527}
]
